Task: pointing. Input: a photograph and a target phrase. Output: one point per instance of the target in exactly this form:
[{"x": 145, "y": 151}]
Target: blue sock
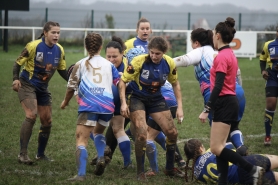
[
  {"x": 92, "y": 136},
  {"x": 81, "y": 160},
  {"x": 268, "y": 121},
  {"x": 229, "y": 145},
  {"x": 152, "y": 155},
  {"x": 100, "y": 144},
  {"x": 161, "y": 140},
  {"x": 237, "y": 138},
  {"x": 124, "y": 145}
]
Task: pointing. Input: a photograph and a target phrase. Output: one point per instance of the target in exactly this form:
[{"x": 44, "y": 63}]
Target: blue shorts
[
  {"x": 91, "y": 119},
  {"x": 257, "y": 160}
]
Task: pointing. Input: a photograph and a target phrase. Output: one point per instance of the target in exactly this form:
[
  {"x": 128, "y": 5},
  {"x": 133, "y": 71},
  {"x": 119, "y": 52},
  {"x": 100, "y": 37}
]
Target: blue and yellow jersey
[
  {"x": 136, "y": 43},
  {"x": 40, "y": 62},
  {"x": 269, "y": 51},
  {"x": 205, "y": 170},
  {"x": 146, "y": 77}
]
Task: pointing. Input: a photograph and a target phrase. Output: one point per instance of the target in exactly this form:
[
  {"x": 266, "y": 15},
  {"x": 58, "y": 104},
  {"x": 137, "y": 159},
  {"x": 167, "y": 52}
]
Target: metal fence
[
  {"x": 128, "y": 19},
  {"x": 173, "y": 26}
]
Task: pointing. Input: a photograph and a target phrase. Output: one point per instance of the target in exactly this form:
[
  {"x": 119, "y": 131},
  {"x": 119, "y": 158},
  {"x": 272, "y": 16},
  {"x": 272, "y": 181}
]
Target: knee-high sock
[
  {"x": 43, "y": 139},
  {"x": 178, "y": 156},
  {"x": 235, "y": 158},
  {"x": 100, "y": 144},
  {"x": 25, "y": 133},
  {"x": 152, "y": 155},
  {"x": 140, "y": 149},
  {"x": 111, "y": 140},
  {"x": 222, "y": 167},
  {"x": 124, "y": 146},
  {"x": 268, "y": 119},
  {"x": 237, "y": 138},
  {"x": 170, "y": 153},
  {"x": 81, "y": 157},
  {"x": 161, "y": 140}
]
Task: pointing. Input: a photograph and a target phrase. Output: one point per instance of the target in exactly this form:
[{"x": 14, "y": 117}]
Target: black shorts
[
  {"x": 148, "y": 104},
  {"x": 257, "y": 160},
  {"x": 151, "y": 123},
  {"x": 271, "y": 91},
  {"x": 226, "y": 109},
  {"x": 28, "y": 91}
]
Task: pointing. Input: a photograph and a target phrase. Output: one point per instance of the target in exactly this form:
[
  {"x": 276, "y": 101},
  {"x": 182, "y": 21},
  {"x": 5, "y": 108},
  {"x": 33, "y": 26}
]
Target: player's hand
[
  {"x": 179, "y": 115},
  {"x": 16, "y": 85},
  {"x": 63, "y": 104},
  {"x": 203, "y": 117},
  {"x": 125, "y": 110},
  {"x": 265, "y": 74}
]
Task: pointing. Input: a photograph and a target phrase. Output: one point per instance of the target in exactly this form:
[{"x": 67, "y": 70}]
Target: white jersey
[
  {"x": 202, "y": 59},
  {"x": 94, "y": 80}
]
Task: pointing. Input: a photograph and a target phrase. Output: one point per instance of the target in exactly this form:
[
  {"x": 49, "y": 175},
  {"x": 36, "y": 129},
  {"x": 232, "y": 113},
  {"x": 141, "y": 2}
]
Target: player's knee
[
  {"x": 141, "y": 137},
  {"x": 171, "y": 133}
]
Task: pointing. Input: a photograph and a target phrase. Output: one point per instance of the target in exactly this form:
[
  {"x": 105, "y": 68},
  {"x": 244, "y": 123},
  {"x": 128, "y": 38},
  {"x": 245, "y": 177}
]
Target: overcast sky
[{"x": 271, "y": 5}]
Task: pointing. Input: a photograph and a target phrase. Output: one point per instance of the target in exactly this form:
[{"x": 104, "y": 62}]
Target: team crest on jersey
[
  {"x": 174, "y": 72},
  {"x": 142, "y": 48},
  {"x": 130, "y": 69},
  {"x": 39, "y": 57},
  {"x": 272, "y": 51},
  {"x": 145, "y": 74}
]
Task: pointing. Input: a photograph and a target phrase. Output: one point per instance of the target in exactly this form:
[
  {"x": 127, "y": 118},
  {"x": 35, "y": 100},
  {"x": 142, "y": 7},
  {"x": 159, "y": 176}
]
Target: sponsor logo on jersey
[
  {"x": 145, "y": 74},
  {"x": 56, "y": 60},
  {"x": 39, "y": 57},
  {"x": 97, "y": 90}
]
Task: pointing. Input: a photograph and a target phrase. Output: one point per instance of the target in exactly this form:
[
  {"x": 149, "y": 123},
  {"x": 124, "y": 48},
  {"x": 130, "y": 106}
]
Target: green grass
[{"x": 61, "y": 146}]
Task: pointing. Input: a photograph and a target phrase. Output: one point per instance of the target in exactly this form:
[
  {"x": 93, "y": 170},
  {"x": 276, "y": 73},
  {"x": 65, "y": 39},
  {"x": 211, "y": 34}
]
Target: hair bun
[{"x": 230, "y": 22}]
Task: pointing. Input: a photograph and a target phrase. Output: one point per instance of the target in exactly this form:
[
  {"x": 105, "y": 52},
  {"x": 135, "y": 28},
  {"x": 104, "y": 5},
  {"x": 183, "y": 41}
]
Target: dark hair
[
  {"x": 93, "y": 43},
  {"x": 117, "y": 43},
  {"x": 47, "y": 26},
  {"x": 157, "y": 43},
  {"x": 192, "y": 151},
  {"x": 226, "y": 29},
  {"x": 141, "y": 20},
  {"x": 204, "y": 37}
]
